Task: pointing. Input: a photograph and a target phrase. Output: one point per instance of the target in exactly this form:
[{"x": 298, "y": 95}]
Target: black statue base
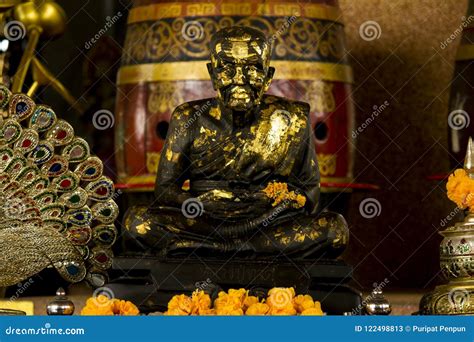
[{"x": 150, "y": 283}]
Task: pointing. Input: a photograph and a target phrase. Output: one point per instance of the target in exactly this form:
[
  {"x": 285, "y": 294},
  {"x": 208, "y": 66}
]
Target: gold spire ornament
[
  {"x": 56, "y": 207},
  {"x": 456, "y": 250},
  {"x": 36, "y": 19}
]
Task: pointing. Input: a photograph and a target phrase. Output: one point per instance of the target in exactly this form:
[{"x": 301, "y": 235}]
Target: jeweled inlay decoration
[{"x": 57, "y": 185}]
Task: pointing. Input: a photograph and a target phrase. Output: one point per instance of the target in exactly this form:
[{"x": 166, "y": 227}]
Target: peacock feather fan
[{"x": 56, "y": 206}]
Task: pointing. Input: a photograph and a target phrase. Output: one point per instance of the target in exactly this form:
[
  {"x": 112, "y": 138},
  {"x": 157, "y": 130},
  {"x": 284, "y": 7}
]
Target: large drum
[{"x": 164, "y": 65}]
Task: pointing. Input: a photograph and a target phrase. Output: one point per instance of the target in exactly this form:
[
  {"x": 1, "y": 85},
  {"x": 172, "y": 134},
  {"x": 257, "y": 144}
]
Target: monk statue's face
[{"x": 240, "y": 70}]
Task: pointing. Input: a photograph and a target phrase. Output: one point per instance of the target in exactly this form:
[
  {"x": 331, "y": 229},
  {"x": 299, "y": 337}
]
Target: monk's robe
[{"x": 228, "y": 162}]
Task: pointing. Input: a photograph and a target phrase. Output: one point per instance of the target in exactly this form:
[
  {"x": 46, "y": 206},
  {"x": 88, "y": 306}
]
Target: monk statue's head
[{"x": 240, "y": 66}]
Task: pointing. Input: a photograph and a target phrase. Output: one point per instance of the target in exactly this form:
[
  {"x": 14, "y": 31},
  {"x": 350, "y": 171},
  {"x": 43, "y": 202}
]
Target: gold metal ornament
[
  {"x": 377, "y": 304},
  {"x": 456, "y": 297},
  {"x": 38, "y": 18},
  {"x": 55, "y": 204},
  {"x": 61, "y": 305}
]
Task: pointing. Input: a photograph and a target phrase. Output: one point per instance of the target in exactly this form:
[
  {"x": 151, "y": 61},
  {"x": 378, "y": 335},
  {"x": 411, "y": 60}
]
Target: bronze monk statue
[{"x": 251, "y": 166}]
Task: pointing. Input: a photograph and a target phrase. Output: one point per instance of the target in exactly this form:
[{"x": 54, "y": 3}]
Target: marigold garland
[
  {"x": 279, "y": 301},
  {"x": 461, "y": 189},
  {"x": 104, "y": 306},
  {"x": 279, "y": 193}
]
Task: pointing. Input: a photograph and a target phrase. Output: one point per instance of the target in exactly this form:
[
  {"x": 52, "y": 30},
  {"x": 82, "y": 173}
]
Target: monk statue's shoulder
[
  {"x": 299, "y": 108},
  {"x": 189, "y": 112},
  {"x": 193, "y": 107}
]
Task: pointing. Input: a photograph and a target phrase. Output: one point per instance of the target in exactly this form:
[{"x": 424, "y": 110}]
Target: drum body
[{"x": 164, "y": 65}]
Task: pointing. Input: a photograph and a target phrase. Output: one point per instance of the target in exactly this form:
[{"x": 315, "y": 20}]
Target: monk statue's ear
[
  {"x": 268, "y": 80},
  {"x": 211, "y": 73},
  {"x": 271, "y": 72}
]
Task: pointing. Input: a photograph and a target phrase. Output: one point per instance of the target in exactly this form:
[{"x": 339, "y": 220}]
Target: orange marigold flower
[
  {"x": 303, "y": 302},
  {"x": 102, "y": 305},
  {"x": 240, "y": 294},
  {"x": 98, "y": 306},
  {"x": 230, "y": 303},
  {"x": 175, "y": 312},
  {"x": 281, "y": 296},
  {"x": 280, "y": 301},
  {"x": 180, "y": 305},
  {"x": 279, "y": 193},
  {"x": 460, "y": 189},
  {"x": 314, "y": 311},
  {"x": 88, "y": 311},
  {"x": 125, "y": 308},
  {"x": 100, "y": 300},
  {"x": 300, "y": 201},
  {"x": 201, "y": 302},
  {"x": 229, "y": 311},
  {"x": 208, "y": 312},
  {"x": 286, "y": 311},
  {"x": 257, "y": 309},
  {"x": 249, "y": 301}
]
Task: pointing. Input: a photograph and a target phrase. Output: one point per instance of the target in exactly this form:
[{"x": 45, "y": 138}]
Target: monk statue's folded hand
[
  {"x": 216, "y": 195},
  {"x": 256, "y": 197}
]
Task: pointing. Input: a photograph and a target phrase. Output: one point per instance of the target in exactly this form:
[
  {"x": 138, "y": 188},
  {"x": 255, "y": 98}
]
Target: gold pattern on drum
[
  {"x": 157, "y": 11},
  {"x": 320, "y": 97},
  {"x": 164, "y": 97},
  {"x": 304, "y": 39},
  {"x": 327, "y": 164}
]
